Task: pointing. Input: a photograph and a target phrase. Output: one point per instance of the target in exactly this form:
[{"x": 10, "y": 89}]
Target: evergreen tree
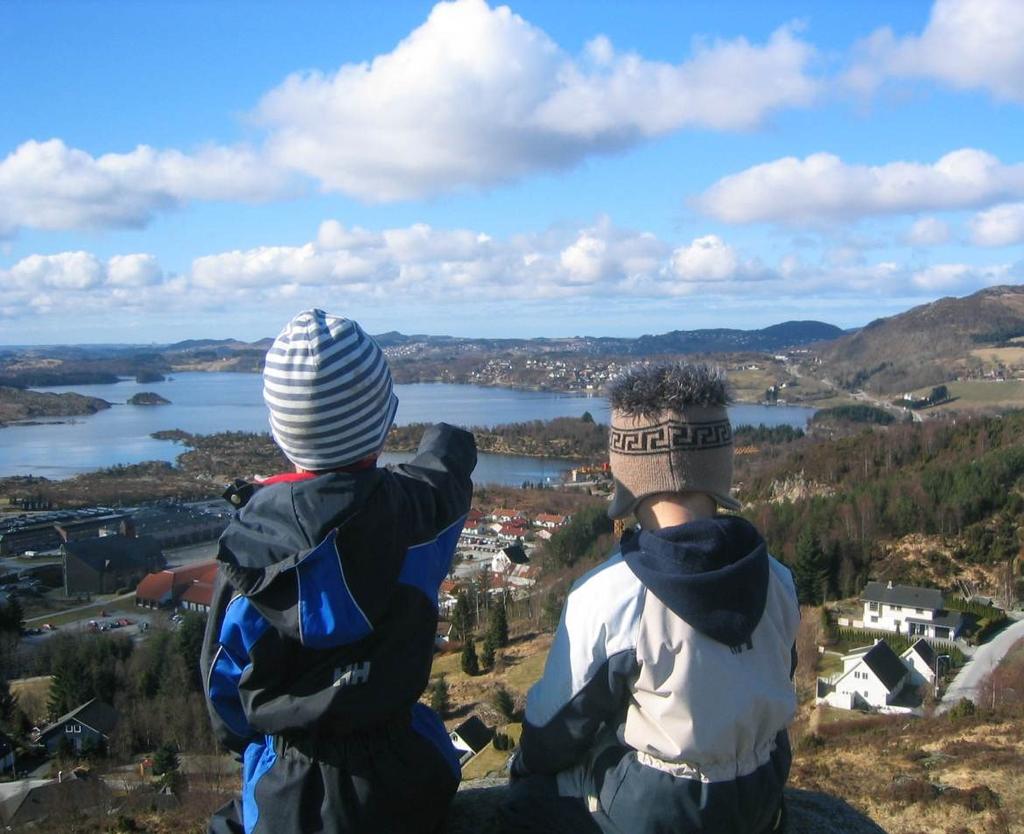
[
  {"x": 810, "y": 569},
  {"x": 8, "y": 705},
  {"x": 497, "y": 629},
  {"x": 165, "y": 760},
  {"x": 470, "y": 663},
  {"x": 12, "y": 617},
  {"x": 487, "y": 652},
  {"x": 462, "y": 618},
  {"x": 504, "y": 702},
  {"x": 189, "y": 640},
  {"x": 439, "y": 700}
]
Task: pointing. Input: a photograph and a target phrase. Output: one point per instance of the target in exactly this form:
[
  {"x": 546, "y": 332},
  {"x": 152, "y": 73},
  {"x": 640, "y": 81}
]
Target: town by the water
[{"x": 899, "y": 517}]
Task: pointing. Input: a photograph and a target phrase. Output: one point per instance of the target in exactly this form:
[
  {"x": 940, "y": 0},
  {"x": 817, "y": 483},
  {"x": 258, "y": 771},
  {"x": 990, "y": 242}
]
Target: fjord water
[{"x": 204, "y": 403}]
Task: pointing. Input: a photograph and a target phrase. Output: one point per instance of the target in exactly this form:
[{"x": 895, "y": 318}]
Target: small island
[
  {"x": 145, "y": 377},
  {"x": 18, "y": 405},
  {"x": 148, "y": 398}
]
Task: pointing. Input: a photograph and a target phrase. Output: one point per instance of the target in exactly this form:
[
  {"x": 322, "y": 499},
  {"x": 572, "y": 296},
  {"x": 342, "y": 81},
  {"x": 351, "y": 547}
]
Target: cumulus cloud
[
  {"x": 999, "y": 226},
  {"x": 928, "y": 231},
  {"x": 950, "y": 277},
  {"x": 47, "y": 185},
  {"x": 966, "y": 45},
  {"x": 822, "y": 188},
  {"x": 477, "y": 96},
  {"x": 707, "y": 258},
  {"x": 421, "y": 267}
]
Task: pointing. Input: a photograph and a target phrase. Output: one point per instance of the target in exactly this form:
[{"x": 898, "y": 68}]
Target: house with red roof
[{"x": 189, "y": 587}]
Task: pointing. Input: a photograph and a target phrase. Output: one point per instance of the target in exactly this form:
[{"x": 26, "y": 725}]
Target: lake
[{"x": 204, "y": 403}]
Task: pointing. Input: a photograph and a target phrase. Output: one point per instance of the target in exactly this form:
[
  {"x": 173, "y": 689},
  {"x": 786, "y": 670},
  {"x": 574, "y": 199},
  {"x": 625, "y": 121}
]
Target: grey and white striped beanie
[{"x": 329, "y": 391}]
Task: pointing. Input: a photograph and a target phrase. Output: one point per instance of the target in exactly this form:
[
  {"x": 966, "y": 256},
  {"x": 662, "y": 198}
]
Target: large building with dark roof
[
  {"x": 105, "y": 564},
  {"x": 89, "y": 725},
  {"x": 906, "y": 609}
]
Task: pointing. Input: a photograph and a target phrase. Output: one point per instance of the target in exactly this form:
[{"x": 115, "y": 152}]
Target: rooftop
[{"x": 908, "y": 595}]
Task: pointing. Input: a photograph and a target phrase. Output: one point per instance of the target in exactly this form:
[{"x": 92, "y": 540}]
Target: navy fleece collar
[{"x": 712, "y": 573}]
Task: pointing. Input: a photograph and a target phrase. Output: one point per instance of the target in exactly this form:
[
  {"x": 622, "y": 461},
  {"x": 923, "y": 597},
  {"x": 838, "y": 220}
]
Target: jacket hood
[
  {"x": 712, "y": 573},
  {"x": 285, "y": 519}
]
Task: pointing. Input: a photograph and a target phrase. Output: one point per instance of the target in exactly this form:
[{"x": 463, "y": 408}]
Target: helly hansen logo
[
  {"x": 353, "y": 674},
  {"x": 671, "y": 436}
]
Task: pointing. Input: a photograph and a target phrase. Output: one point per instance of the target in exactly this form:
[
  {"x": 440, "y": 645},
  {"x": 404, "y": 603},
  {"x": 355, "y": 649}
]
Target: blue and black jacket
[{"x": 321, "y": 636}]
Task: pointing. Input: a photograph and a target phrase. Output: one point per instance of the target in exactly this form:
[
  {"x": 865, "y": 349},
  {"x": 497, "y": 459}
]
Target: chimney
[{"x": 889, "y": 585}]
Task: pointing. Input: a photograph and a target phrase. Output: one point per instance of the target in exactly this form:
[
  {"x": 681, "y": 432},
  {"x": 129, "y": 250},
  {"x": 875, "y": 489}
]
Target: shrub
[
  {"x": 439, "y": 700},
  {"x": 964, "y": 708}
]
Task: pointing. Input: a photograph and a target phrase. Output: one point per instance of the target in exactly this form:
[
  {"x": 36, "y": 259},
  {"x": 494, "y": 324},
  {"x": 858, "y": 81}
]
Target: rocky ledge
[{"x": 475, "y": 810}]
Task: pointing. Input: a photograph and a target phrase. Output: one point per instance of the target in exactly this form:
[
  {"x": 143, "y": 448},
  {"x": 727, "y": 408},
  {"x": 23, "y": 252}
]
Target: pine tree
[
  {"x": 439, "y": 700},
  {"x": 487, "y": 652},
  {"x": 498, "y": 627},
  {"x": 810, "y": 570},
  {"x": 504, "y": 702},
  {"x": 470, "y": 663},
  {"x": 462, "y": 618},
  {"x": 165, "y": 760},
  {"x": 8, "y": 705}
]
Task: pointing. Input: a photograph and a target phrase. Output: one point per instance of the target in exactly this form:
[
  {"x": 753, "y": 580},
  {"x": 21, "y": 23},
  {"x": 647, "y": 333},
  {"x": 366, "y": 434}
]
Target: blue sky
[{"x": 179, "y": 170}]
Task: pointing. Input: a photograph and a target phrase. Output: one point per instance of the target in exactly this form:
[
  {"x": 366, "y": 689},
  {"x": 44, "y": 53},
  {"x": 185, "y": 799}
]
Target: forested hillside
[{"x": 955, "y": 487}]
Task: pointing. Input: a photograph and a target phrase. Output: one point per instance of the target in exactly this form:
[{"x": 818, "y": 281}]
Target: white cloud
[
  {"x": 63, "y": 271},
  {"x": 707, "y": 258},
  {"x": 966, "y": 44},
  {"x": 462, "y": 272},
  {"x": 928, "y": 231},
  {"x": 822, "y": 188},
  {"x": 133, "y": 271},
  {"x": 948, "y": 277},
  {"x": 477, "y": 96},
  {"x": 999, "y": 226},
  {"x": 47, "y": 185}
]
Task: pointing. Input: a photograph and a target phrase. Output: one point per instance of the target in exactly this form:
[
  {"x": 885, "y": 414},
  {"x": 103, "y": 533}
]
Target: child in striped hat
[{"x": 321, "y": 634}]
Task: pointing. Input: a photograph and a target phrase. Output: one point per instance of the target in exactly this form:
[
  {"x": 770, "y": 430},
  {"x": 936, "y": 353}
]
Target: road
[{"x": 986, "y": 658}]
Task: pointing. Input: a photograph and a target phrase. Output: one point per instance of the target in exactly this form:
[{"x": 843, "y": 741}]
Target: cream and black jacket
[{"x": 668, "y": 689}]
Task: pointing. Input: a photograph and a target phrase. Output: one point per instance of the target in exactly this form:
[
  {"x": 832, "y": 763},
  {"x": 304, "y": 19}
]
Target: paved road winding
[{"x": 985, "y": 659}]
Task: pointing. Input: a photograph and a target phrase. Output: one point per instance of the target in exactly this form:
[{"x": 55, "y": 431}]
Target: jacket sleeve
[
  {"x": 444, "y": 462},
  {"x": 232, "y": 629},
  {"x": 589, "y": 671},
  {"x": 329, "y": 594}
]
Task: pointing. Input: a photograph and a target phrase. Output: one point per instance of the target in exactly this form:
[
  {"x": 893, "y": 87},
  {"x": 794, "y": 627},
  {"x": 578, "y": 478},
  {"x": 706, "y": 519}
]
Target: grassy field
[
  {"x": 491, "y": 760},
  {"x": 87, "y": 612},
  {"x": 1011, "y": 356},
  {"x": 981, "y": 394},
  {"x": 33, "y": 695}
]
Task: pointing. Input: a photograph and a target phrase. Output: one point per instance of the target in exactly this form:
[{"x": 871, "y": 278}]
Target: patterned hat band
[
  {"x": 670, "y": 435},
  {"x": 676, "y": 451}
]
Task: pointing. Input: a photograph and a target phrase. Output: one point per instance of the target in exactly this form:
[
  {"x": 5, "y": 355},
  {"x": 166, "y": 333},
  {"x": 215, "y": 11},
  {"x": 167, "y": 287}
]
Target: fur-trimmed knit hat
[
  {"x": 670, "y": 432},
  {"x": 329, "y": 391}
]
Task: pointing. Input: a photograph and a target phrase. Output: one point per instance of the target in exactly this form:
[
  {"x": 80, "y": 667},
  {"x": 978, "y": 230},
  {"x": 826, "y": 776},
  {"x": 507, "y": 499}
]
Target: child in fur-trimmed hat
[{"x": 668, "y": 689}]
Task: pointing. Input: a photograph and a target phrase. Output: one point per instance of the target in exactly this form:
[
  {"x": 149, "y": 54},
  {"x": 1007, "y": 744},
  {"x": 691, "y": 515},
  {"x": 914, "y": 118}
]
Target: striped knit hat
[{"x": 329, "y": 392}]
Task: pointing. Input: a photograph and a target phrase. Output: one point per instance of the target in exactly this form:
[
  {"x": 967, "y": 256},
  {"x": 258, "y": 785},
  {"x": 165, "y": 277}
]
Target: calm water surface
[{"x": 203, "y": 403}]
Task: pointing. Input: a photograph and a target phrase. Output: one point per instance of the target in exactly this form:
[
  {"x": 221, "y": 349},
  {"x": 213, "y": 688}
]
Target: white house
[
  {"x": 905, "y": 609},
  {"x": 508, "y": 558},
  {"x": 470, "y": 737},
  {"x": 873, "y": 677},
  {"x": 921, "y": 660}
]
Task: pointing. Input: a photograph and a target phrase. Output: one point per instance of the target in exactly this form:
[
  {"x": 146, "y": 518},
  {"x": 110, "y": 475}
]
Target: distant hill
[
  {"x": 722, "y": 340},
  {"x": 926, "y": 345}
]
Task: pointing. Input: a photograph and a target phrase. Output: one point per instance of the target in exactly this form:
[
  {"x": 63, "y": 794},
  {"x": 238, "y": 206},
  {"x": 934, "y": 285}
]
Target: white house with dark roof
[
  {"x": 921, "y": 660},
  {"x": 905, "y": 609},
  {"x": 873, "y": 677},
  {"x": 470, "y": 737}
]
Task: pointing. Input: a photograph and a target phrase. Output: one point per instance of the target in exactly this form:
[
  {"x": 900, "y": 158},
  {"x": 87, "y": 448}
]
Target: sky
[{"x": 173, "y": 170}]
